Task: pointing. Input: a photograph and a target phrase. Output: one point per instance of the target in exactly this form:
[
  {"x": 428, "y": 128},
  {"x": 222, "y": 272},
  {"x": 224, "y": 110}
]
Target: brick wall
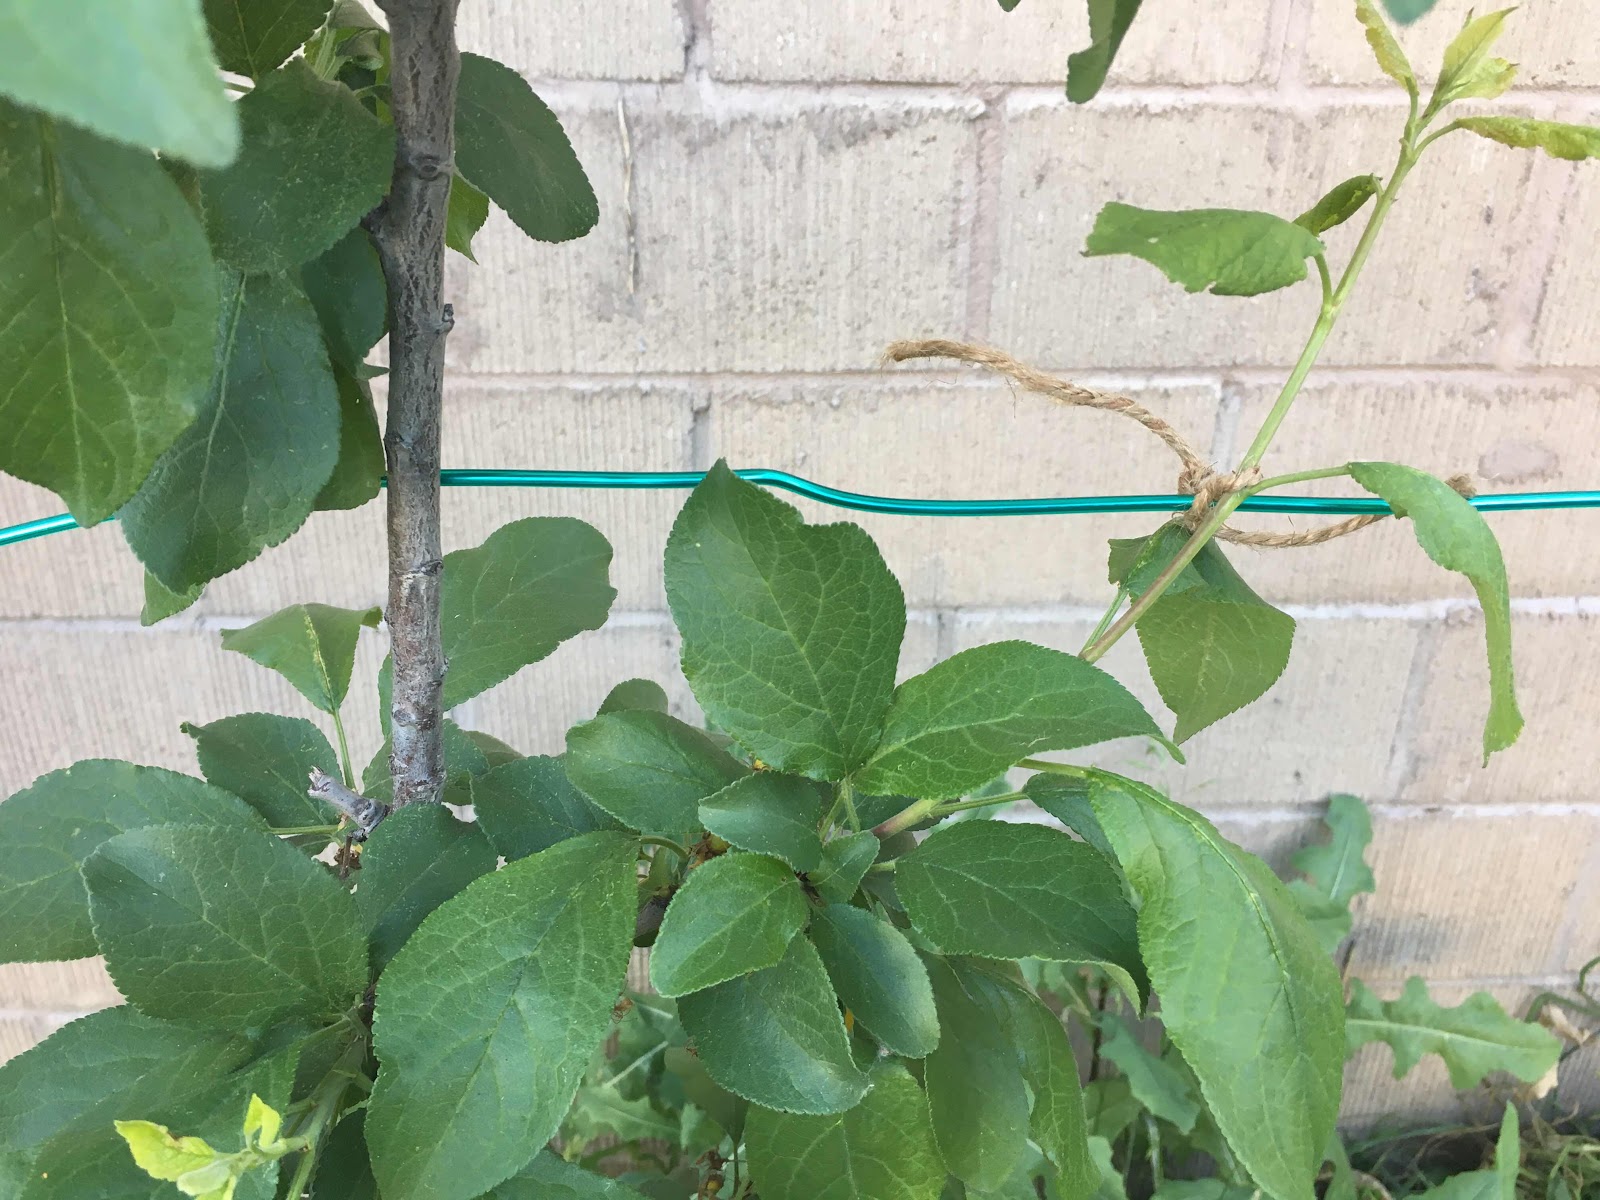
[{"x": 814, "y": 178}]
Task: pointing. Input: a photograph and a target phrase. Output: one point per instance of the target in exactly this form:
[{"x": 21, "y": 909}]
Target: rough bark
[{"x": 409, "y": 232}]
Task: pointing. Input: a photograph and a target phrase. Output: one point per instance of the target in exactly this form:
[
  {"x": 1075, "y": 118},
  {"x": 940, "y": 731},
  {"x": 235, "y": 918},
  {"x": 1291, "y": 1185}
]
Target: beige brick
[
  {"x": 79, "y": 986},
  {"x": 959, "y": 434},
  {"x": 641, "y": 39},
  {"x": 1565, "y": 330},
  {"x": 1461, "y": 237},
  {"x": 1531, "y": 435},
  {"x": 19, "y": 1033},
  {"x": 772, "y": 233},
  {"x": 840, "y": 40},
  {"x": 533, "y": 710},
  {"x": 1466, "y": 896},
  {"x": 87, "y": 691},
  {"x": 1557, "y": 659},
  {"x": 1326, "y": 727},
  {"x": 1547, "y": 42}
]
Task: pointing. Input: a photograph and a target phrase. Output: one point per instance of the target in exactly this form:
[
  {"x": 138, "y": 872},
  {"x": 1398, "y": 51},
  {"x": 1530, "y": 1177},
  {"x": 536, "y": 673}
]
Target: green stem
[
  {"x": 944, "y": 810},
  {"x": 344, "y": 752},
  {"x": 847, "y": 795},
  {"x": 666, "y": 843},
  {"x": 299, "y": 830},
  {"x": 1329, "y": 315},
  {"x": 1278, "y": 481},
  {"x": 912, "y": 814},
  {"x": 1055, "y": 768},
  {"x": 325, "y": 1114},
  {"x": 1152, "y": 1134},
  {"x": 1109, "y": 616}
]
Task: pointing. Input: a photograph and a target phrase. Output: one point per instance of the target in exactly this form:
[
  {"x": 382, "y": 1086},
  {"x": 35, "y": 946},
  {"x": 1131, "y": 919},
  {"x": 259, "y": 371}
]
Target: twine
[{"x": 1198, "y": 478}]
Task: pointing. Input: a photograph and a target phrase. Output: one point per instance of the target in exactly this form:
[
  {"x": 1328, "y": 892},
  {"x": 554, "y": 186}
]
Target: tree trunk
[{"x": 409, "y": 232}]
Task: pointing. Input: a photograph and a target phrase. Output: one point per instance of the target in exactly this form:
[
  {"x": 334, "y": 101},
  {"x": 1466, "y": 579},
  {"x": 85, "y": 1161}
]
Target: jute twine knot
[
  {"x": 1197, "y": 478},
  {"x": 1210, "y": 487}
]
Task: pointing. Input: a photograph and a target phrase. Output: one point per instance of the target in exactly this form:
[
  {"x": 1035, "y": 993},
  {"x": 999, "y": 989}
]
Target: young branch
[
  {"x": 364, "y": 811},
  {"x": 408, "y": 229}
]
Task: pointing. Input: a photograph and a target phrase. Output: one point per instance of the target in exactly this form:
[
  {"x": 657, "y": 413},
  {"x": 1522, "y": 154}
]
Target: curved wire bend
[{"x": 912, "y": 506}]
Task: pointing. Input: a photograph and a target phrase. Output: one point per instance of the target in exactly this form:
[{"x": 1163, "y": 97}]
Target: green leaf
[
  {"x": 1474, "y": 1038},
  {"x": 253, "y": 36},
  {"x": 245, "y": 475},
  {"x": 508, "y": 603},
  {"x": 1407, "y": 11},
  {"x": 1155, "y": 1082},
  {"x": 266, "y": 933},
  {"x": 92, "y": 1161},
  {"x": 1213, "y": 646},
  {"x": 955, "y": 727},
  {"x": 734, "y": 915},
  {"x": 776, "y": 1037},
  {"x": 495, "y": 752},
  {"x": 998, "y": 890},
  {"x": 1201, "y": 1189},
  {"x": 511, "y": 146},
  {"x": 1066, "y": 798},
  {"x": 528, "y": 962},
  {"x": 844, "y": 862},
  {"x": 1336, "y": 872},
  {"x": 266, "y": 761},
  {"x": 1558, "y": 140},
  {"x": 419, "y": 857},
  {"x": 1233, "y": 252},
  {"x": 528, "y": 805},
  {"x": 313, "y": 646},
  {"x": 345, "y": 284},
  {"x": 769, "y": 814},
  {"x": 647, "y": 769},
  {"x": 1058, "y": 1124},
  {"x": 358, "y": 473},
  {"x": 1469, "y": 72},
  {"x": 603, "y": 1112},
  {"x": 1235, "y": 964},
  {"x": 882, "y": 1149},
  {"x": 111, "y": 1062},
  {"x": 791, "y": 632},
  {"x": 976, "y": 1090},
  {"x": 878, "y": 977},
  {"x": 1496, "y": 1183},
  {"x": 1391, "y": 58},
  {"x": 50, "y": 828},
  {"x": 549, "y": 1177},
  {"x": 312, "y": 163},
  {"x": 1108, "y": 25},
  {"x": 86, "y": 70},
  {"x": 1455, "y": 536},
  {"x": 467, "y": 211},
  {"x": 634, "y": 694},
  {"x": 161, "y": 603},
  {"x": 108, "y": 307},
  {"x": 1343, "y": 202}
]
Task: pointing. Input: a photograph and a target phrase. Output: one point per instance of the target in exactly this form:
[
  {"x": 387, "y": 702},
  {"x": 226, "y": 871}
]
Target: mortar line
[
  {"x": 787, "y": 95},
  {"x": 1402, "y": 765},
  {"x": 1127, "y": 377},
  {"x": 981, "y": 220},
  {"x": 956, "y": 615}
]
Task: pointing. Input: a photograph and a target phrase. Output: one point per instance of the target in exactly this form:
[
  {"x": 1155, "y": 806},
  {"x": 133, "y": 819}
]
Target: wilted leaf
[{"x": 1572, "y": 142}]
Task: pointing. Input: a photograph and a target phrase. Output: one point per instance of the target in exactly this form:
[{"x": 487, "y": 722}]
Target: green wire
[{"x": 862, "y": 502}]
